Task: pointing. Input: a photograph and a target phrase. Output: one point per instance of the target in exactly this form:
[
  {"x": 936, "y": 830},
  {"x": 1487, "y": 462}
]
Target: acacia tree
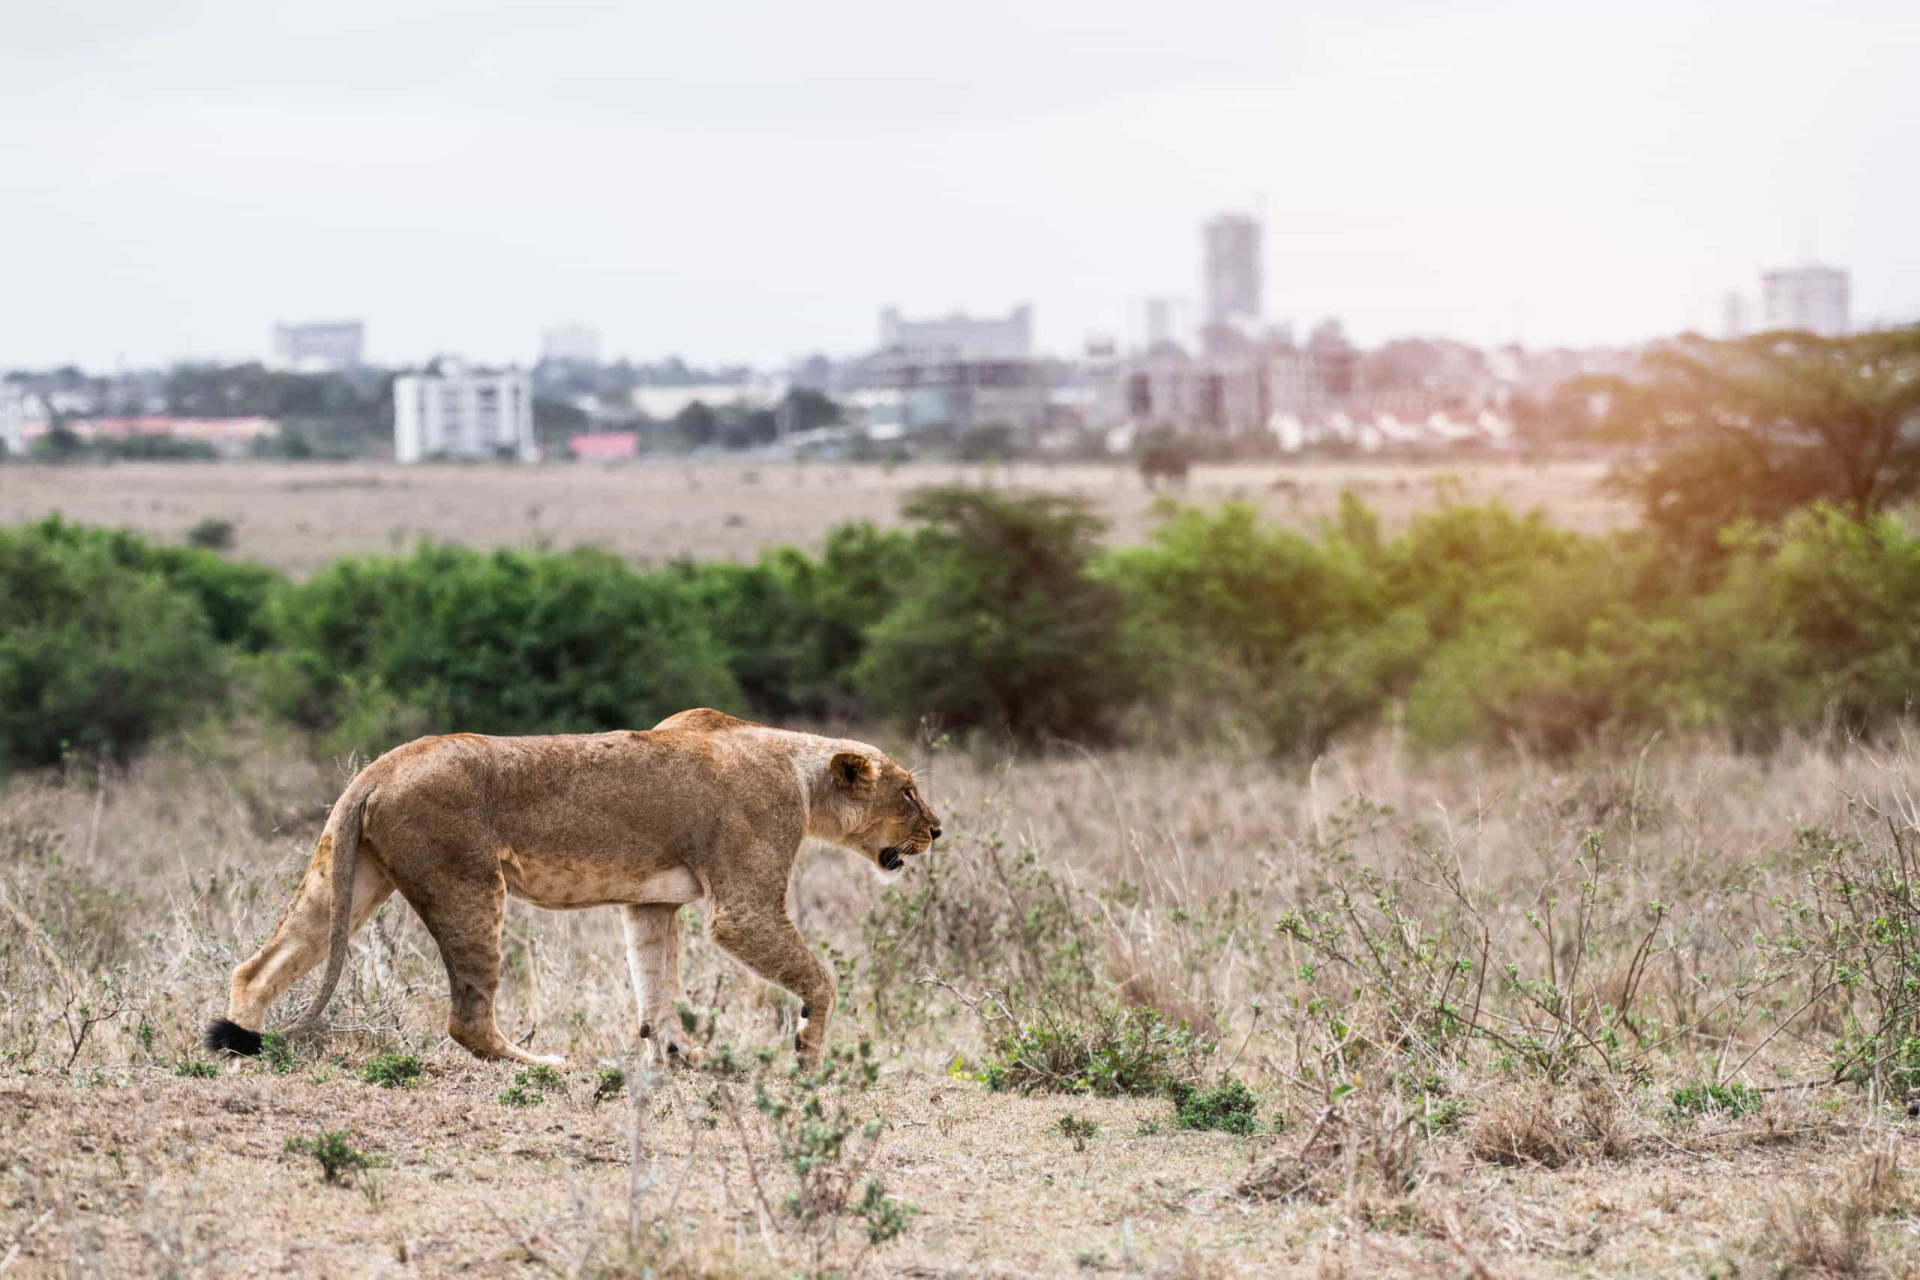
[{"x": 1755, "y": 428}]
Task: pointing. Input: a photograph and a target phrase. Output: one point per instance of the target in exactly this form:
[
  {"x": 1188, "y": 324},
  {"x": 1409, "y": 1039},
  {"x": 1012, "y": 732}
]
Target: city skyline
[{"x": 748, "y": 186}]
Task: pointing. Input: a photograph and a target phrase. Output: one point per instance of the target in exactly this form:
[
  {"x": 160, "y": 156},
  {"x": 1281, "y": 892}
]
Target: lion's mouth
[{"x": 891, "y": 859}]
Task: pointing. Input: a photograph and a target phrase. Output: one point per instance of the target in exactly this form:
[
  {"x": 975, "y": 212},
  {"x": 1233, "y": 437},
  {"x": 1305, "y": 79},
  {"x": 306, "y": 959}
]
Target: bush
[
  {"x": 1230, "y": 1108},
  {"x": 1732, "y": 1100},
  {"x": 339, "y": 1159},
  {"x": 94, "y": 654},
  {"x": 1111, "y": 1053},
  {"x": 1003, "y": 628},
  {"x": 392, "y": 1071},
  {"x": 500, "y": 642},
  {"x": 792, "y": 629},
  {"x": 211, "y": 533}
]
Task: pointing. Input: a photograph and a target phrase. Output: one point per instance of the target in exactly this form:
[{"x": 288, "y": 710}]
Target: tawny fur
[{"x": 703, "y": 806}]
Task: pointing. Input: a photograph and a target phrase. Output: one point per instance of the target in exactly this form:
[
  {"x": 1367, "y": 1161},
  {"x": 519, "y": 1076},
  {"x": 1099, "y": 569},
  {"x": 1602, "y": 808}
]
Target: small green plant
[
  {"x": 146, "y": 1037},
  {"x": 1230, "y": 1108},
  {"x": 609, "y": 1084},
  {"x": 529, "y": 1087},
  {"x": 195, "y": 1068},
  {"x": 392, "y": 1071},
  {"x": 1112, "y": 1052},
  {"x": 339, "y": 1159},
  {"x": 1078, "y": 1129},
  {"x": 542, "y": 1076},
  {"x": 277, "y": 1052},
  {"x": 1733, "y": 1100},
  {"x": 1443, "y": 1115},
  {"x": 885, "y": 1215}
]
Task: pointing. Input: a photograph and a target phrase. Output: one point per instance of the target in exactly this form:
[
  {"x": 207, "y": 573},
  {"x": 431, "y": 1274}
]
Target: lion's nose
[{"x": 935, "y": 833}]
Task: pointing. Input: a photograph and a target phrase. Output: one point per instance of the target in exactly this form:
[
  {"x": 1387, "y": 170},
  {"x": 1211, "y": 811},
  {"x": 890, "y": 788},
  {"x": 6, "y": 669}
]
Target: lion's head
[{"x": 877, "y": 809}]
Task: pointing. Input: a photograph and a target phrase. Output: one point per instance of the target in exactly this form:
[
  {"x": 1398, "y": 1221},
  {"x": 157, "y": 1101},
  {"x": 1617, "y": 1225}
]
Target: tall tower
[
  {"x": 1231, "y": 275},
  {"x": 1810, "y": 297}
]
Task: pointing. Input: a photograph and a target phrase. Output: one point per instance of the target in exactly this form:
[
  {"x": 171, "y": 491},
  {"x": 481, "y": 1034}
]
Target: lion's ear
[{"x": 852, "y": 770}]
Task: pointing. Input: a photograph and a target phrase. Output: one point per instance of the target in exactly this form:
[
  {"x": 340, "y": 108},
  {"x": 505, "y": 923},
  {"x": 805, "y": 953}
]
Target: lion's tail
[{"x": 344, "y": 826}]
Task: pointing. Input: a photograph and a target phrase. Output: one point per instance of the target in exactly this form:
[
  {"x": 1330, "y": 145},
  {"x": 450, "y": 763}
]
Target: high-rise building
[
  {"x": 1232, "y": 277},
  {"x": 571, "y": 343},
  {"x": 1813, "y": 298},
  {"x": 458, "y": 414},
  {"x": 328, "y": 346},
  {"x": 1159, "y": 322}
]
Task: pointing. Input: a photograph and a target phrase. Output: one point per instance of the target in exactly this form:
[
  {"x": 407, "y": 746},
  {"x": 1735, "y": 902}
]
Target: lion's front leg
[
  {"x": 653, "y": 961},
  {"x": 757, "y": 932}
]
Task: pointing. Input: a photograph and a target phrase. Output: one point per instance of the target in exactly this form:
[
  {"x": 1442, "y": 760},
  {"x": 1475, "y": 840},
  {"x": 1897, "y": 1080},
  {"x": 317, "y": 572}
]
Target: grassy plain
[
  {"x": 300, "y": 515},
  {"x": 1388, "y": 1142}
]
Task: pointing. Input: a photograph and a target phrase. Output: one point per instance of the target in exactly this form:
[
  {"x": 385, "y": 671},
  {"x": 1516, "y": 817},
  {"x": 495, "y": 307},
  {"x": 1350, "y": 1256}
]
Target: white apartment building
[
  {"x": 13, "y": 420},
  {"x": 460, "y": 414},
  {"x": 1811, "y": 297}
]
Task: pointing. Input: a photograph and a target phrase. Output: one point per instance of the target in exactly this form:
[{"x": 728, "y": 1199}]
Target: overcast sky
[{"x": 754, "y": 181}]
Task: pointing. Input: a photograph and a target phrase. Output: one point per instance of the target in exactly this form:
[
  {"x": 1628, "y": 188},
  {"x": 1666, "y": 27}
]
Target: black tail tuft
[{"x": 231, "y": 1037}]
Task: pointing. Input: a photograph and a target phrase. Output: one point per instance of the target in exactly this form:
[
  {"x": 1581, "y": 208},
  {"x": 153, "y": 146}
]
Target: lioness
[{"x": 702, "y": 806}]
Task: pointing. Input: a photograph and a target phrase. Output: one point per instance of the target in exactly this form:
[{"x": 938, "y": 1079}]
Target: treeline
[{"x": 991, "y": 613}]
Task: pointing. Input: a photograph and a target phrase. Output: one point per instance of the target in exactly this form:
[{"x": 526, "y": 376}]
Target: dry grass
[
  {"x": 299, "y": 516},
  {"x": 129, "y": 895}
]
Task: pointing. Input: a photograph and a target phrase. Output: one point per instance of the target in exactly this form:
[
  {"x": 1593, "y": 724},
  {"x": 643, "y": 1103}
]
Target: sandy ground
[{"x": 190, "y": 1177}]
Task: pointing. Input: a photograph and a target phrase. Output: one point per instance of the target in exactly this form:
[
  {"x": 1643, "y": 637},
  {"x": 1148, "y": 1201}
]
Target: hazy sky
[{"x": 754, "y": 181}]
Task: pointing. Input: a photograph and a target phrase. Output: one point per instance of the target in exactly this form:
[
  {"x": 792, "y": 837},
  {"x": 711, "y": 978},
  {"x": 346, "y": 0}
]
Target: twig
[{"x": 764, "y": 1214}]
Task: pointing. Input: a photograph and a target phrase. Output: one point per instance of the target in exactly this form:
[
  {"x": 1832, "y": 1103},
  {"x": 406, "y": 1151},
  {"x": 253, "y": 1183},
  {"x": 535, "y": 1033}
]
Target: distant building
[
  {"x": 1231, "y": 275},
  {"x": 1159, "y": 322},
  {"x": 228, "y": 437},
  {"x": 959, "y": 336},
  {"x": 14, "y": 413},
  {"x": 1813, "y": 298},
  {"x": 1734, "y": 323},
  {"x": 572, "y": 343},
  {"x": 460, "y": 414},
  {"x": 604, "y": 446},
  {"x": 319, "y": 348},
  {"x": 958, "y": 372}
]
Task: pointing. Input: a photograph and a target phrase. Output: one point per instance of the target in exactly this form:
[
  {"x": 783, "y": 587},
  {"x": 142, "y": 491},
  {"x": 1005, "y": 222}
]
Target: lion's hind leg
[
  {"x": 464, "y": 915},
  {"x": 296, "y": 945}
]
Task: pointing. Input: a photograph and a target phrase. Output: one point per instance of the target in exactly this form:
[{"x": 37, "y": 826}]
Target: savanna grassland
[
  {"x": 299, "y": 516},
  {"x": 1404, "y": 883},
  {"x": 1488, "y": 1015}
]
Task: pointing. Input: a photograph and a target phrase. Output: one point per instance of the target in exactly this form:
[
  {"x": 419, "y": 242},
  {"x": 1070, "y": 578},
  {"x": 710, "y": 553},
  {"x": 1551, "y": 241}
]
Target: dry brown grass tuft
[
  {"x": 1517, "y": 1126},
  {"x": 1821, "y": 1228}
]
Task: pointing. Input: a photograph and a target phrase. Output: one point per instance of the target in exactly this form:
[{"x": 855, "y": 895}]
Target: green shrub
[
  {"x": 609, "y": 1084},
  {"x": 1733, "y": 1100},
  {"x": 1115, "y": 1052},
  {"x": 793, "y": 628},
  {"x": 211, "y": 533},
  {"x": 1230, "y": 1107},
  {"x": 529, "y": 1087},
  {"x": 1078, "y": 1128},
  {"x": 196, "y": 1069},
  {"x": 392, "y": 1071},
  {"x": 1003, "y": 628},
  {"x": 500, "y": 642},
  {"x": 94, "y": 654},
  {"x": 339, "y": 1159}
]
